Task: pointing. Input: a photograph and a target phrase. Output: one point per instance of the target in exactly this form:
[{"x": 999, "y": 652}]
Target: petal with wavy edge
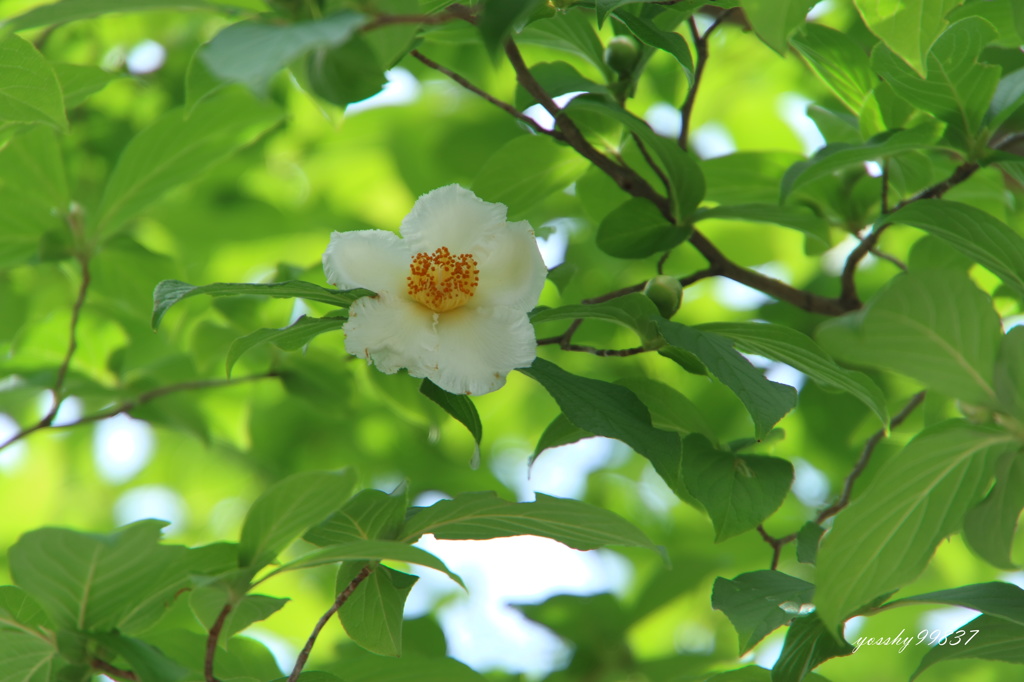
[
  {"x": 393, "y": 333},
  {"x": 372, "y": 259},
  {"x": 454, "y": 217},
  {"x": 478, "y": 347},
  {"x": 513, "y": 272}
]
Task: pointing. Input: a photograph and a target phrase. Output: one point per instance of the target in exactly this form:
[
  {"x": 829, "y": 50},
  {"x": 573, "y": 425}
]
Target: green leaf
[
  {"x": 759, "y": 602},
  {"x": 637, "y": 229},
  {"x": 796, "y": 217},
  {"x": 933, "y": 326},
  {"x": 971, "y": 231},
  {"x": 746, "y": 177},
  {"x": 78, "y": 82},
  {"x": 570, "y": 32},
  {"x": 766, "y": 401},
  {"x": 18, "y": 609},
  {"x": 990, "y": 527},
  {"x": 684, "y": 175},
  {"x": 287, "y": 509},
  {"x": 670, "y": 410},
  {"x": 369, "y": 550},
  {"x": 603, "y": 7},
  {"x": 525, "y": 170},
  {"x": 369, "y": 515},
  {"x": 72, "y": 10},
  {"x": 784, "y": 344},
  {"x": 96, "y": 582},
  {"x": 144, "y": 659},
  {"x": 738, "y": 491},
  {"x": 252, "y": 51},
  {"x": 995, "y": 599},
  {"x": 633, "y": 311},
  {"x": 372, "y": 615},
  {"x": 292, "y": 337},
  {"x": 29, "y": 90},
  {"x": 985, "y": 637},
  {"x": 460, "y": 407},
  {"x": 605, "y": 409},
  {"x": 809, "y": 643},
  {"x": 498, "y": 18},
  {"x": 649, "y": 34},
  {"x": 170, "y": 291},
  {"x": 559, "y": 432},
  {"x": 175, "y": 149},
  {"x": 27, "y": 658},
  {"x": 208, "y": 602},
  {"x": 345, "y": 73},
  {"x": 807, "y": 541},
  {"x": 775, "y": 20},
  {"x": 907, "y": 27},
  {"x": 1010, "y": 372},
  {"x": 838, "y": 61},
  {"x": 558, "y": 78},
  {"x": 958, "y": 88},
  {"x": 886, "y": 536},
  {"x": 484, "y": 515},
  {"x": 1007, "y": 99},
  {"x": 836, "y": 157}
]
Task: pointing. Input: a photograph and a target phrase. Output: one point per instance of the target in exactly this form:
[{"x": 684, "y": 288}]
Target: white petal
[
  {"x": 451, "y": 216},
  {"x": 477, "y": 347},
  {"x": 512, "y": 272},
  {"x": 393, "y": 333},
  {"x": 372, "y": 259}
]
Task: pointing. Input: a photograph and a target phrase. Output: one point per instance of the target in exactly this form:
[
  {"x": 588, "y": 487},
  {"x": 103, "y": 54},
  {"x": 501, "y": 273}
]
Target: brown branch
[
  {"x": 700, "y": 43},
  {"x": 605, "y": 352},
  {"x": 776, "y": 544},
  {"x": 343, "y": 596},
  {"x": 211, "y": 643},
  {"x": 451, "y": 13},
  {"x": 112, "y": 671}
]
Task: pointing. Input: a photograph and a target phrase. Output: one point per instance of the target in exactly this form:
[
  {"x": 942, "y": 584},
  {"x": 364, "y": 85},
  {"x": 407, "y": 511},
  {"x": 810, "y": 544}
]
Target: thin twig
[
  {"x": 700, "y": 43},
  {"x": 343, "y": 596},
  {"x": 776, "y": 544},
  {"x": 112, "y": 671},
  {"x": 449, "y": 14},
  {"x": 211, "y": 643},
  {"x": 605, "y": 352}
]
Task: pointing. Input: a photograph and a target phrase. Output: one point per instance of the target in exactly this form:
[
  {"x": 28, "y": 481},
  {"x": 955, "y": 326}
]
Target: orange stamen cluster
[{"x": 441, "y": 281}]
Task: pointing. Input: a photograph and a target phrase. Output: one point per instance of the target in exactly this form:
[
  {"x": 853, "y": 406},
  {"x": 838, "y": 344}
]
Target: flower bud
[
  {"x": 622, "y": 54},
  {"x": 666, "y": 292}
]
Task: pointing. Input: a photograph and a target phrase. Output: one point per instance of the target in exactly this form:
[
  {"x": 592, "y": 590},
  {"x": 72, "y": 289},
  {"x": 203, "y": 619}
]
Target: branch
[
  {"x": 211, "y": 643},
  {"x": 112, "y": 671},
  {"x": 343, "y": 596},
  {"x": 450, "y": 13},
  {"x": 700, "y": 43}
]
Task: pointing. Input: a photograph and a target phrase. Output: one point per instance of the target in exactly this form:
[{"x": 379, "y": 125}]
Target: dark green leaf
[
  {"x": 774, "y": 20},
  {"x": 369, "y": 515},
  {"x": 287, "y": 509},
  {"x": 809, "y": 643},
  {"x": 796, "y": 217},
  {"x": 558, "y": 78},
  {"x": 252, "y": 51},
  {"x": 807, "y": 541},
  {"x": 886, "y": 536},
  {"x": 766, "y": 400},
  {"x": 985, "y": 637},
  {"x": 29, "y": 91},
  {"x": 1008, "y": 98},
  {"x": 603, "y": 7},
  {"x": 1010, "y": 372},
  {"x": 372, "y": 615},
  {"x": 170, "y": 291},
  {"x": 559, "y": 432},
  {"x": 649, "y": 34},
  {"x": 995, "y": 599},
  {"x": 72, "y": 10},
  {"x": 990, "y": 527},
  {"x": 738, "y": 491},
  {"x": 498, "y": 18},
  {"x": 460, "y": 407},
  {"x": 345, "y": 73},
  {"x": 757, "y": 603},
  {"x": 934, "y": 326},
  {"x": 637, "y": 229},
  {"x": 633, "y": 311},
  {"x": 292, "y": 337},
  {"x": 670, "y": 410},
  {"x": 369, "y": 550},
  {"x": 838, "y": 61}
]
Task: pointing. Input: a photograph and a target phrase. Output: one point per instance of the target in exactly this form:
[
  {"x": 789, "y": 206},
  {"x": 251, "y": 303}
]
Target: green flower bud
[
  {"x": 622, "y": 54},
  {"x": 666, "y": 292}
]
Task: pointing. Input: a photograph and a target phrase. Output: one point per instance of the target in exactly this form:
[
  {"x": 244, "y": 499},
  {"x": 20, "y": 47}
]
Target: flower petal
[
  {"x": 451, "y": 216},
  {"x": 392, "y": 332},
  {"x": 373, "y": 259},
  {"x": 477, "y": 347},
  {"x": 513, "y": 272}
]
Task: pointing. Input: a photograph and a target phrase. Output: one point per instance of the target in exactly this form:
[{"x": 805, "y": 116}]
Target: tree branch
[
  {"x": 211, "y": 643},
  {"x": 700, "y": 43},
  {"x": 112, "y": 671},
  {"x": 343, "y": 596}
]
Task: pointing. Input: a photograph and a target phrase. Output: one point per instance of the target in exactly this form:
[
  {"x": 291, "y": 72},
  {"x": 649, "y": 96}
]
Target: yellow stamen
[{"x": 441, "y": 281}]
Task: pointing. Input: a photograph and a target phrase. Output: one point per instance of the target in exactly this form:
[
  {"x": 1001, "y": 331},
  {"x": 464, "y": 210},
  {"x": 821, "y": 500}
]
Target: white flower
[{"x": 452, "y": 293}]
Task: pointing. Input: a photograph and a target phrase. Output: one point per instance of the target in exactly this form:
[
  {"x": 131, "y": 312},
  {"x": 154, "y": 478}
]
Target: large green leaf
[
  {"x": 484, "y": 515},
  {"x": 649, "y": 34},
  {"x": 637, "y": 229},
  {"x": 170, "y": 291},
  {"x": 958, "y": 88},
  {"x": 738, "y": 491},
  {"x": 86, "y": 581},
  {"x": 766, "y": 401},
  {"x": 809, "y": 643},
  {"x": 886, "y": 537},
  {"x": 985, "y": 637},
  {"x": 526, "y": 170},
  {"x": 207, "y": 603},
  {"x": 990, "y": 527},
  {"x": 287, "y": 509},
  {"x": 995, "y": 599},
  {"x": 670, "y": 410},
  {"x": 292, "y": 337},
  {"x": 633, "y": 311},
  {"x": 907, "y": 27},
  {"x": 345, "y": 73},
  {"x": 759, "y": 602},
  {"x": 498, "y": 18},
  {"x": 175, "y": 149},
  {"x": 29, "y": 91},
  {"x": 72, "y": 10},
  {"x": 838, "y": 61},
  {"x": 19, "y": 610},
  {"x": 934, "y": 326},
  {"x": 796, "y": 217},
  {"x": 252, "y": 51},
  {"x": 971, "y": 231},
  {"x": 784, "y": 344},
  {"x": 369, "y": 550},
  {"x": 559, "y": 432},
  {"x": 774, "y": 20},
  {"x": 27, "y": 658},
  {"x": 372, "y": 615},
  {"x": 1010, "y": 372},
  {"x": 369, "y": 515}
]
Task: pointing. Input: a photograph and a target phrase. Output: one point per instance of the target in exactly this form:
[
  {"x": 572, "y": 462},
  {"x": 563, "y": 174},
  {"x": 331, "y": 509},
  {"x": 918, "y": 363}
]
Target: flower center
[{"x": 441, "y": 281}]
